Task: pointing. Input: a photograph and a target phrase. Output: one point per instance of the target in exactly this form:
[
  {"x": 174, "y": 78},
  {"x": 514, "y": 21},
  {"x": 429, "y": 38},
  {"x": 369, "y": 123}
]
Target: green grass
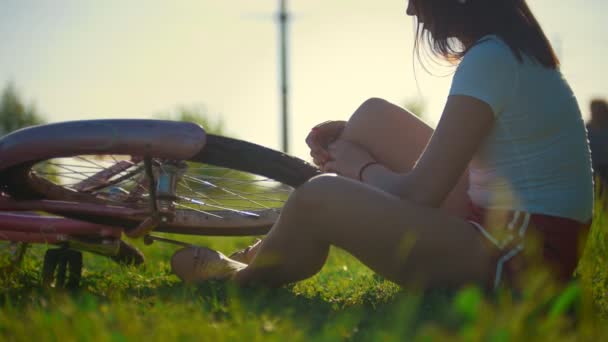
[{"x": 345, "y": 301}]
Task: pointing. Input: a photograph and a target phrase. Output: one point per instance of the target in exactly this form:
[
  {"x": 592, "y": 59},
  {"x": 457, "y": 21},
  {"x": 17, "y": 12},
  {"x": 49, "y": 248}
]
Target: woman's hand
[
  {"x": 320, "y": 137},
  {"x": 347, "y": 158}
]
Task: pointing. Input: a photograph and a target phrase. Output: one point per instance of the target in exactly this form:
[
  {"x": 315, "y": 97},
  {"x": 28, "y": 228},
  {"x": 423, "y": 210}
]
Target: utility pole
[{"x": 283, "y": 20}]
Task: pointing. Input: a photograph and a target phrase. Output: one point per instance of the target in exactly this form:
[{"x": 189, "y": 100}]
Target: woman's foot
[
  {"x": 247, "y": 254},
  {"x": 196, "y": 264}
]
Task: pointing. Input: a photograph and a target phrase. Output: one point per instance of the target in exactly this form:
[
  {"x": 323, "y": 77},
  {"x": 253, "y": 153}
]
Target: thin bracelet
[{"x": 365, "y": 166}]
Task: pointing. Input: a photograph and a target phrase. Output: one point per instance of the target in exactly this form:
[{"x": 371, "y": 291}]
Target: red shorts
[{"x": 507, "y": 233}]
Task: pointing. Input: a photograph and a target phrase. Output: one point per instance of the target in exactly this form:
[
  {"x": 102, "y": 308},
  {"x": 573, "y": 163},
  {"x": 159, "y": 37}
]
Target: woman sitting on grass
[{"x": 508, "y": 160}]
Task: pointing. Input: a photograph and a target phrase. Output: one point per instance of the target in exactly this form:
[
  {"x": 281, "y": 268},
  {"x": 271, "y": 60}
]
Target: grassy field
[{"x": 345, "y": 301}]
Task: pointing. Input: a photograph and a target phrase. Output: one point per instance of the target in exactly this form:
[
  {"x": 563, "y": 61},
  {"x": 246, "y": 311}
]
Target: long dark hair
[{"x": 440, "y": 21}]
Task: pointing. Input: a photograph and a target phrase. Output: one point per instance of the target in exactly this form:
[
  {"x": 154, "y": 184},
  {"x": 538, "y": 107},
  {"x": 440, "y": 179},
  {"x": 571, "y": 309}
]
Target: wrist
[{"x": 365, "y": 167}]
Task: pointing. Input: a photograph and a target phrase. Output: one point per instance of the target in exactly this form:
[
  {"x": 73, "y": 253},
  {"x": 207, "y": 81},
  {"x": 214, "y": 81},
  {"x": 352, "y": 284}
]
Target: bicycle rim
[{"x": 231, "y": 187}]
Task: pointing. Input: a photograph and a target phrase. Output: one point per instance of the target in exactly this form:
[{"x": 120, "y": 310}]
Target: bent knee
[
  {"x": 311, "y": 202},
  {"x": 374, "y": 103},
  {"x": 369, "y": 109},
  {"x": 376, "y": 108},
  {"x": 312, "y": 193},
  {"x": 379, "y": 118}
]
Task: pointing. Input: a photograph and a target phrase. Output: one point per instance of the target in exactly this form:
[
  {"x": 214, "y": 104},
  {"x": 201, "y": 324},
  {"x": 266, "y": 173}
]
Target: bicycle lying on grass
[{"x": 82, "y": 185}]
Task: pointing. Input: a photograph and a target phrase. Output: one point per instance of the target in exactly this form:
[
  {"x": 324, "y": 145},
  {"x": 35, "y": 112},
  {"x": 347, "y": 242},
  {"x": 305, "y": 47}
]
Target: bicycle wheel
[{"x": 231, "y": 187}]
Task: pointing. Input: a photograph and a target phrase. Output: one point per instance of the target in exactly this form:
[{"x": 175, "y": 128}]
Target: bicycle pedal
[{"x": 145, "y": 226}]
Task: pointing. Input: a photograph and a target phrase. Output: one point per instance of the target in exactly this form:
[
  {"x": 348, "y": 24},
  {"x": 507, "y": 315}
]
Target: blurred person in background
[{"x": 597, "y": 131}]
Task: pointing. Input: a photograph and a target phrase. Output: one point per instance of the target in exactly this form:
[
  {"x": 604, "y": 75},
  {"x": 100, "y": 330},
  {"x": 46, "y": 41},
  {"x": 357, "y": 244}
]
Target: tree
[
  {"x": 416, "y": 106},
  {"x": 14, "y": 114},
  {"x": 197, "y": 115}
]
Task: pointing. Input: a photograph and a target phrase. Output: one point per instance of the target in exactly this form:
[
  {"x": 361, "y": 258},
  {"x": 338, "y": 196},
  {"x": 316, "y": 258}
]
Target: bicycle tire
[{"x": 220, "y": 151}]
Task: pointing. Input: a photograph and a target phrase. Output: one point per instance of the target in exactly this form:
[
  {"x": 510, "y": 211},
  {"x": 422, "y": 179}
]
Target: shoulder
[
  {"x": 487, "y": 72},
  {"x": 490, "y": 58},
  {"x": 489, "y": 50}
]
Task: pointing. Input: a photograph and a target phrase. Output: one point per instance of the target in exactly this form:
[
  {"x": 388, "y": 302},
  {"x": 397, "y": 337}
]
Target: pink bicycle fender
[
  {"x": 157, "y": 138},
  {"x": 51, "y": 225},
  {"x": 31, "y": 237}
]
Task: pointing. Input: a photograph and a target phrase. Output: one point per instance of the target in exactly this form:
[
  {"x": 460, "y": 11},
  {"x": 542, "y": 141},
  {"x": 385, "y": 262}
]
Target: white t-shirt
[{"x": 536, "y": 158}]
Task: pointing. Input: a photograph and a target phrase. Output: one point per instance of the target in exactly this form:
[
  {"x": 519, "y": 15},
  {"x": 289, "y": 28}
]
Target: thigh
[
  {"x": 397, "y": 138},
  {"x": 406, "y": 243}
]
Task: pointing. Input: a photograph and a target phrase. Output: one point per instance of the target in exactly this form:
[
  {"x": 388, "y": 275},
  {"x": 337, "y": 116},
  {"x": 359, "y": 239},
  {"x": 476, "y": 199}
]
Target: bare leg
[
  {"x": 375, "y": 227},
  {"x": 407, "y": 244},
  {"x": 397, "y": 138}
]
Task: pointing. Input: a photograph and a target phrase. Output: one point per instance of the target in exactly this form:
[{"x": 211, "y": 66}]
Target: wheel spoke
[
  {"x": 206, "y": 189},
  {"x": 89, "y": 161},
  {"x": 197, "y": 210},
  {"x": 71, "y": 170},
  {"x": 74, "y": 165},
  {"x": 226, "y": 190},
  {"x": 191, "y": 200},
  {"x": 184, "y": 183}
]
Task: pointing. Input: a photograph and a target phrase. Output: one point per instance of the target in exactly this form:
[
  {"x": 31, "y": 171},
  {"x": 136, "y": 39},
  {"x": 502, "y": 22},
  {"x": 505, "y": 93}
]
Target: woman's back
[{"x": 536, "y": 158}]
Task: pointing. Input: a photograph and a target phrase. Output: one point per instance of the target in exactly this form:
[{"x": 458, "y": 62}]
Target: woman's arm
[{"x": 464, "y": 124}]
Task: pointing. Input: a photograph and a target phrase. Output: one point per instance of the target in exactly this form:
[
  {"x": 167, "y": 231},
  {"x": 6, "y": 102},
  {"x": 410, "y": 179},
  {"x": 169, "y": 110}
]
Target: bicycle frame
[
  {"x": 32, "y": 227},
  {"x": 129, "y": 136},
  {"x": 132, "y": 188}
]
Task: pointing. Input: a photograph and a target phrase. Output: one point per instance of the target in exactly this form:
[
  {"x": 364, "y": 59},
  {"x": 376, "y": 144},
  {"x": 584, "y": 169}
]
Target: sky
[{"x": 91, "y": 59}]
